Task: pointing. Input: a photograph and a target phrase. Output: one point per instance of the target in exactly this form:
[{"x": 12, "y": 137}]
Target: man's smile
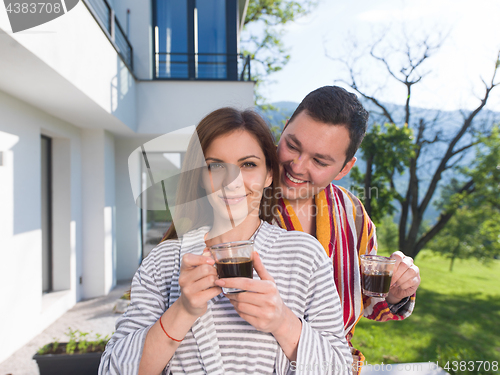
[{"x": 290, "y": 178}]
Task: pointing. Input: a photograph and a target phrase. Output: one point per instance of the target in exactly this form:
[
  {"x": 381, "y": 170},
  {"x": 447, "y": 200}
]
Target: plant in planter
[{"x": 79, "y": 356}]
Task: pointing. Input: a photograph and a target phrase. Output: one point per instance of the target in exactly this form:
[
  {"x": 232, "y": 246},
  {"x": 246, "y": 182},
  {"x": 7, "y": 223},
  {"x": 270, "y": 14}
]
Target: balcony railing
[
  {"x": 202, "y": 66},
  {"x": 105, "y": 17}
]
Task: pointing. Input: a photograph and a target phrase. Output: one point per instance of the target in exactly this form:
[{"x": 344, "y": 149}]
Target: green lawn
[{"x": 456, "y": 317}]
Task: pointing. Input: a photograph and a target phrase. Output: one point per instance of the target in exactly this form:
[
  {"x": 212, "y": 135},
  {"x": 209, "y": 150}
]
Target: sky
[{"x": 454, "y": 74}]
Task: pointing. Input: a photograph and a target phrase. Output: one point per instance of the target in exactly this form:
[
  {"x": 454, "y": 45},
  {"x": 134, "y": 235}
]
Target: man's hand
[
  {"x": 405, "y": 279},
  {"x": 197, "y": 282},
  {"x": 261, "y": 304}
]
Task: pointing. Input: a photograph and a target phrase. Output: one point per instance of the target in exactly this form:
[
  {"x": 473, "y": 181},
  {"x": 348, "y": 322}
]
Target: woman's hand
[
  {"x": 405, "y": 279},
  {"x": 197, "y": 282},
  {"x": 263, "y": 308}
]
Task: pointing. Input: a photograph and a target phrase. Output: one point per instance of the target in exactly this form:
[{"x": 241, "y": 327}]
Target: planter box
[{"x": 68, "y": 364}]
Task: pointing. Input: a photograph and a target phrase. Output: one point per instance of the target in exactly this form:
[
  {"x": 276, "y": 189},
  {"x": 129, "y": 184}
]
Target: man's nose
[{"x": 299, "y": 165}]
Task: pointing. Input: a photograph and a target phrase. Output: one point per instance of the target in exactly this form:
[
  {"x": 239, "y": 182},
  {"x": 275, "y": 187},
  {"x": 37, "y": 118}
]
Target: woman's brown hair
[{"x": 218, "y": 123}]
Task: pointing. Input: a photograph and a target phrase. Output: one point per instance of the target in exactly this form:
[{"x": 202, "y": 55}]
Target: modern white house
[{"x": 77, "y": 96}]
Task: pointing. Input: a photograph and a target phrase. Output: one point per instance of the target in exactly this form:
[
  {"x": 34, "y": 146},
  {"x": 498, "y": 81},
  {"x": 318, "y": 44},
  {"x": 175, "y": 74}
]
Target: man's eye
[
  {"x": 321, "y": 164},
  {"x": 291, "y": 146}
]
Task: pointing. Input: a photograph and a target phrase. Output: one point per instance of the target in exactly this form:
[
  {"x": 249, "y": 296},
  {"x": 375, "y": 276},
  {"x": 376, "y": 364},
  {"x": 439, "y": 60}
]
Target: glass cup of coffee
[
  {"x": 233, "y": 259},
  {"x": 376, "y": 275}
]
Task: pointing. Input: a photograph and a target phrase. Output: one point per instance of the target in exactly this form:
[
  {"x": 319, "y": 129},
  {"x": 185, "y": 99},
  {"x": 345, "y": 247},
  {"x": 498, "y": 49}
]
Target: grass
[{"x": 456, "y": 317}]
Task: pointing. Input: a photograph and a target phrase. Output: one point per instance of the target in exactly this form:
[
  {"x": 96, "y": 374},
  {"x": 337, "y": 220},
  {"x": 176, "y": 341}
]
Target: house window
[
  {"x": 46, "y": 195},
  {"x": 156, "y": 218},
  {"x": 194, "y": 39},
  {"x": 210, "y": 39}
]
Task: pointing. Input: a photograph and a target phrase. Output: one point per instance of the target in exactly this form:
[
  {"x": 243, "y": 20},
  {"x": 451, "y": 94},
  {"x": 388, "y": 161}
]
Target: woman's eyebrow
[
  {"x": 248, "y": 157},
  {"x": 239, "y": 160},
  {"x": 214, "y": 159}
]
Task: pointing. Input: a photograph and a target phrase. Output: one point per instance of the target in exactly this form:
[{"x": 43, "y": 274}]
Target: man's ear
[{"x": 347, "y": 168}]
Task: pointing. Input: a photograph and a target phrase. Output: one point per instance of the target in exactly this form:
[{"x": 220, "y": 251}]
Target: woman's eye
[
  {"x": 249, "y": 164},
  {"x": 214, "y": 166}
]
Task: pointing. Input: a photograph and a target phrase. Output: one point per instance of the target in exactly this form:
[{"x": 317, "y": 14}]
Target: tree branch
[
  {"x": 442, "y": 221},
  {"x": 449, "y": 153}
]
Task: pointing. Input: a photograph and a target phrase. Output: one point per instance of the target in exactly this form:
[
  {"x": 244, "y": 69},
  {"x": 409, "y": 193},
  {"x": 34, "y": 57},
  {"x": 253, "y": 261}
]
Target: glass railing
[
  {"x": 202, "y": 66},
  {"x": 105, "y": 17}
]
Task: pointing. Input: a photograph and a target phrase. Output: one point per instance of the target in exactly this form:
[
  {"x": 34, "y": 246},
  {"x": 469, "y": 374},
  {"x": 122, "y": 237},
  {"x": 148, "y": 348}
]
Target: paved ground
[{"x": 91, "y": 315}]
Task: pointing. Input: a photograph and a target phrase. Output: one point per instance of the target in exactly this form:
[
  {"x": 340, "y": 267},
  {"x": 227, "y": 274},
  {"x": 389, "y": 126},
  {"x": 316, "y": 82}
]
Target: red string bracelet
[{"x": 170, "y": 337}]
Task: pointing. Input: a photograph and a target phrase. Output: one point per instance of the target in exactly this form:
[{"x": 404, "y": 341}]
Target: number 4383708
[
  {"x": 471, "y": 366},
  {"x": 33, "y": 8}
]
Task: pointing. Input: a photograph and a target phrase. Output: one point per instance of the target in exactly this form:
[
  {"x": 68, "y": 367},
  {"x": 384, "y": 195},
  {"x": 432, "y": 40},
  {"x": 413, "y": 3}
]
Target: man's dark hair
[{"x": 336, "y": 106}]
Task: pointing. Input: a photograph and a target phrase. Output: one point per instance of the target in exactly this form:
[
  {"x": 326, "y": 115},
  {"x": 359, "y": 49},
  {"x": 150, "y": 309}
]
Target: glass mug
[
  {"x": 376, "y": 275},
  {"x": 233, "y": 259}
]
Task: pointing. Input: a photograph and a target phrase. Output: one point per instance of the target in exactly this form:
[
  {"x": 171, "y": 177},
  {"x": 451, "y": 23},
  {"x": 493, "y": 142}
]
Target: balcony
[
  {"x": 202, "y": 66},
  {"x": 83, "y": 72},
  {"x": 171, "y": 66},
  {"x": 105, "y": 17}
]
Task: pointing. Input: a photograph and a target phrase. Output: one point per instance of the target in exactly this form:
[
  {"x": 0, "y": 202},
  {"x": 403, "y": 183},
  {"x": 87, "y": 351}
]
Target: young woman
[{"x": 179, "y": 321}]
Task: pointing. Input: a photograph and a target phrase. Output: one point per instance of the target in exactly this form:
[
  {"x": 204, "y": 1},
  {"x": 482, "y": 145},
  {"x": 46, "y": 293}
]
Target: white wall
[
  {"x": 98, "y": 212},
  {"x": 23, "y": 311},
  {"x": 165, "y": 106},
  {"x": 67, "y": 65},
  {"x": 84, "y": 219}
]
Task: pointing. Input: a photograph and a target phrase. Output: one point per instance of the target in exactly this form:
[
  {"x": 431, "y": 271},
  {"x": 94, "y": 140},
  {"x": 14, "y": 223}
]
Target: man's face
[{"x": 311, "y": 155}]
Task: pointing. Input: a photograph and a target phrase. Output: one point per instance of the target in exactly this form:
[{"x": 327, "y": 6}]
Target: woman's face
[{"x": 236, "y": 176}]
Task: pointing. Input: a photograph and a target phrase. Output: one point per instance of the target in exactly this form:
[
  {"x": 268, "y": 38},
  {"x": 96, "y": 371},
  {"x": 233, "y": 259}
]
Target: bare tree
[{"x": 406, "y": 65}]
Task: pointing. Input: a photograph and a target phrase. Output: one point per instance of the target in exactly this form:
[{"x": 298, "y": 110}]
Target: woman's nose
[{"x": 233, "y": 181}]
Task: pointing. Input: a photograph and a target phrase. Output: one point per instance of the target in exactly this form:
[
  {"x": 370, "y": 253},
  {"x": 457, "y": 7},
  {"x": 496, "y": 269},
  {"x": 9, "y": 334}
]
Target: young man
[{"x": 317, "y": 146}]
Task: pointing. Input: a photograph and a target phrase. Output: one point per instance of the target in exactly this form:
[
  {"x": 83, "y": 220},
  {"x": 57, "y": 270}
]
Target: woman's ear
[{"x": 269, "y": 179}]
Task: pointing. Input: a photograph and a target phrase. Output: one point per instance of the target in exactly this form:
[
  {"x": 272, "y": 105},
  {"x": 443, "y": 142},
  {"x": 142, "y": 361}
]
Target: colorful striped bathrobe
[{"x": 345, "y": 231}]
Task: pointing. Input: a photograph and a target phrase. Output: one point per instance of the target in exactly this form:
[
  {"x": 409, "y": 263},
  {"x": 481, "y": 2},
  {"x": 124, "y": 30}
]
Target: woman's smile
[{"x": 232, "y": 200}]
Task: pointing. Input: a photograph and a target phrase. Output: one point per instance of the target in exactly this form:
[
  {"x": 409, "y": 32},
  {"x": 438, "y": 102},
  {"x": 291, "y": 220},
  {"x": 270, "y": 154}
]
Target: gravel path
[{"x": 94, "y": 315}]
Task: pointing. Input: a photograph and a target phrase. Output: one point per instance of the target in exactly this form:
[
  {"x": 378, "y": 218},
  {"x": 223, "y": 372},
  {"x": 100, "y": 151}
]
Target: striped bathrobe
[
  {"x": 220, "y": 341},
  {"x": 345, "y": 231}
]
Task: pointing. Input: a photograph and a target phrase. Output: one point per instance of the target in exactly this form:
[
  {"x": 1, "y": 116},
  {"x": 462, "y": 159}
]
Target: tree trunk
[
  {"x": 368, "y": 182},
  {"x": 453, "y": 256}
]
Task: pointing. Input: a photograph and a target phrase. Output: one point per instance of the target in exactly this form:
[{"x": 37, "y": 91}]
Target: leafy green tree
[
  {"x": 472, "y": 228},
  {"x": 470, "y": 233},
  {"x": 437, "y": 150},
  {"x": 387, "y": 235},
  {"x": 262, "y": 38},
  {"x": 378, "y": 190}
]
